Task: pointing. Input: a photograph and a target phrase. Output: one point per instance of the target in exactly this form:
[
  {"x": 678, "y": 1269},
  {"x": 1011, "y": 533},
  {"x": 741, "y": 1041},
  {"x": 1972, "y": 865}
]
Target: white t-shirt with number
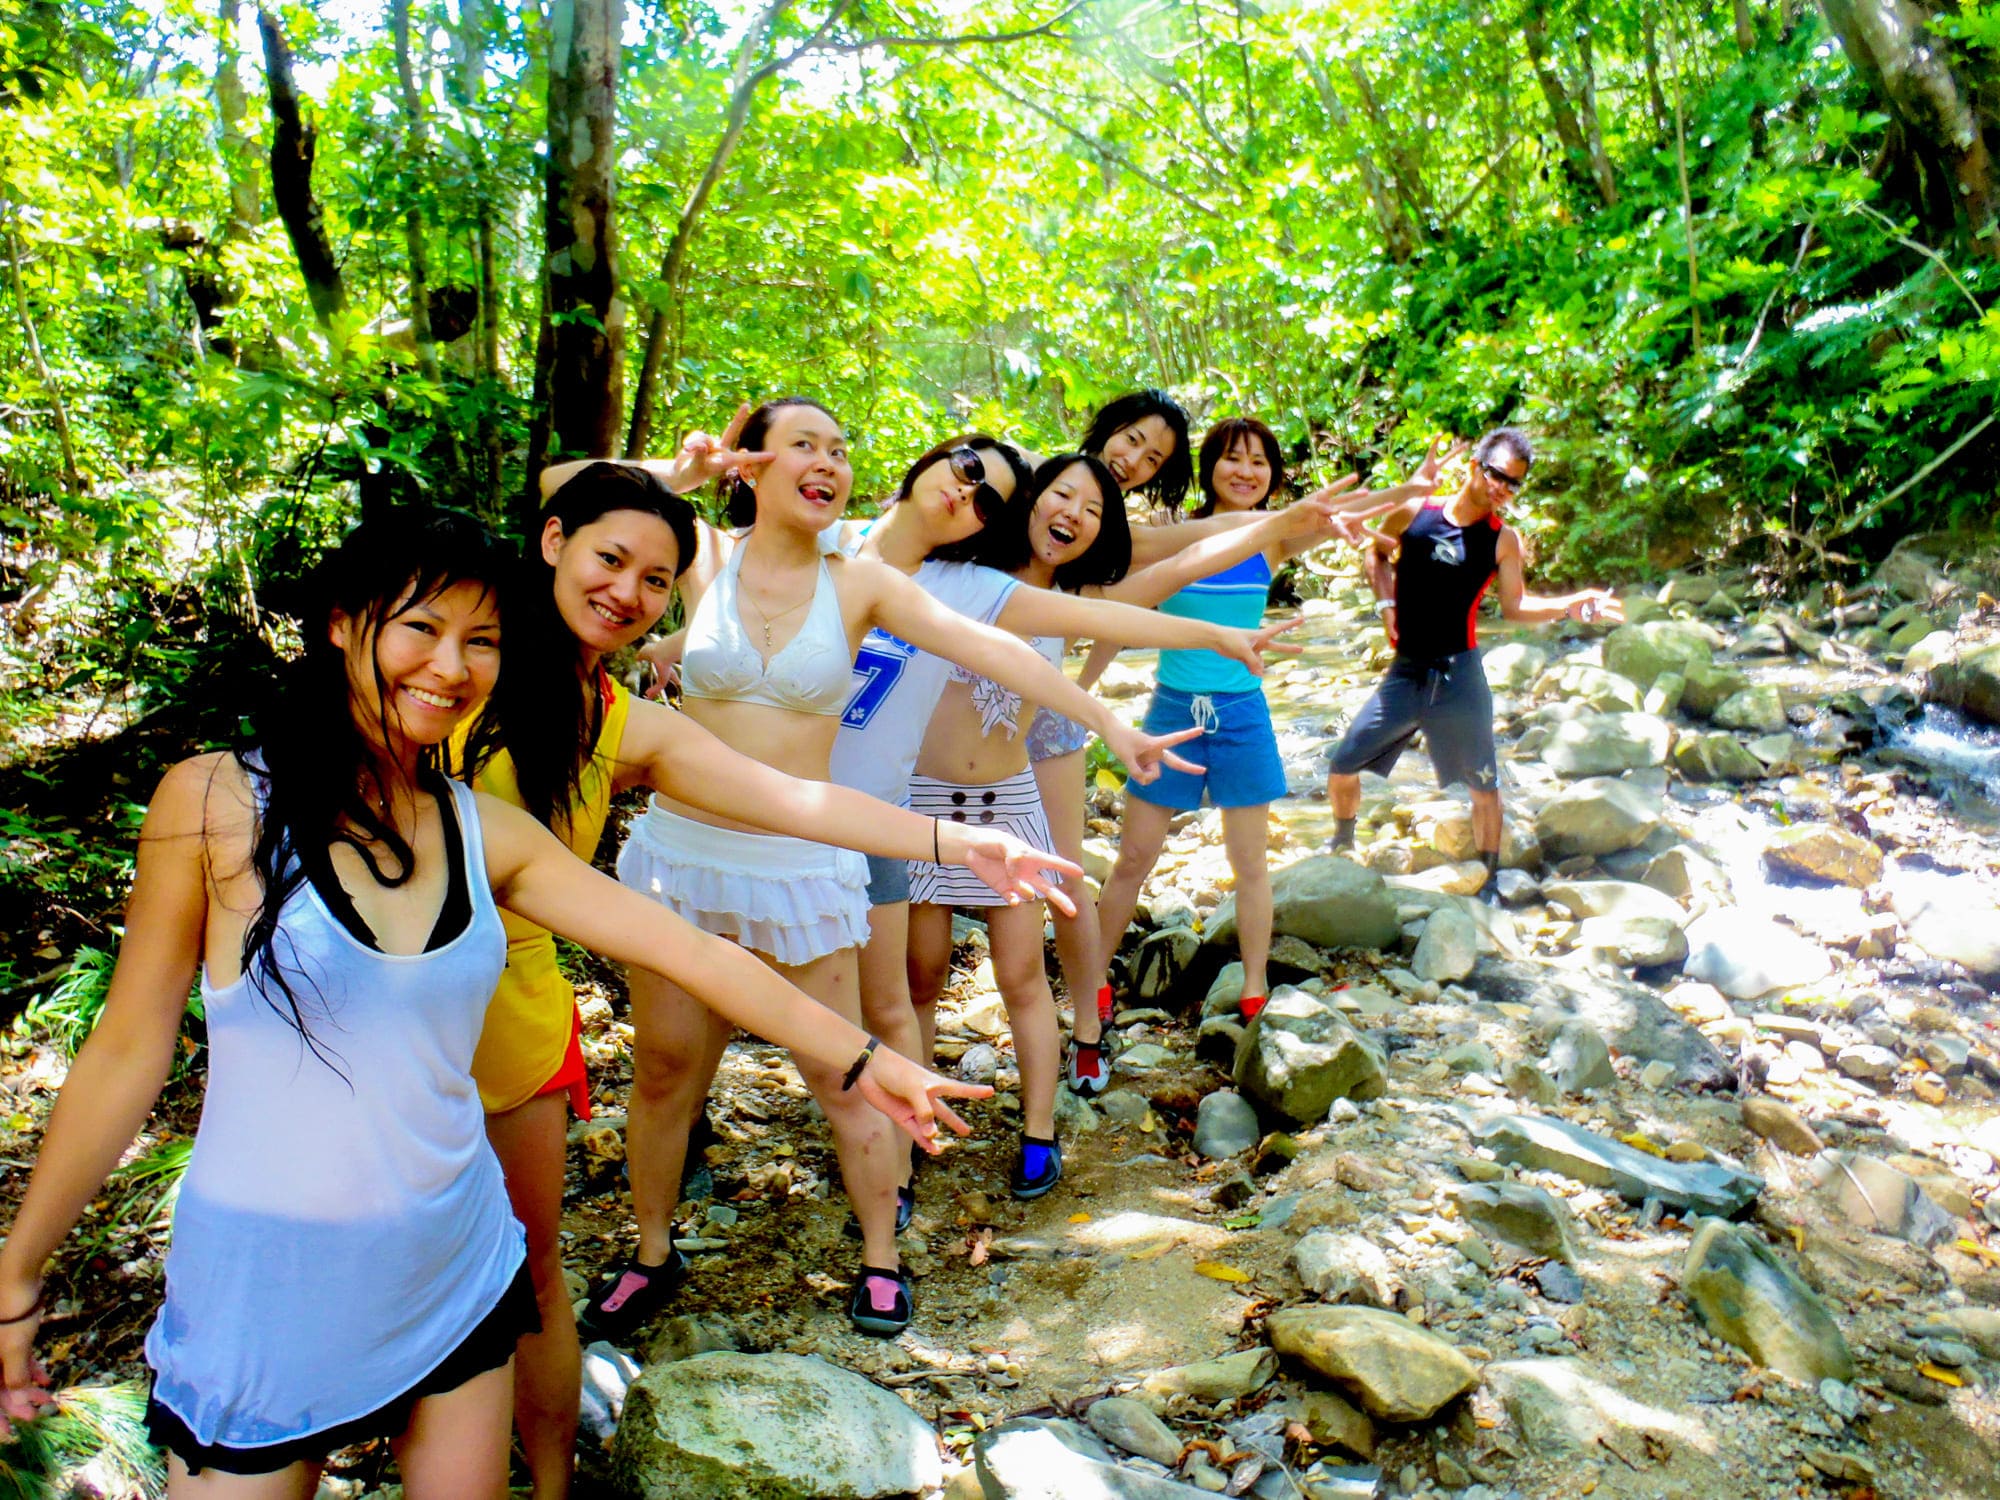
[{"x": 896, "y": 686}]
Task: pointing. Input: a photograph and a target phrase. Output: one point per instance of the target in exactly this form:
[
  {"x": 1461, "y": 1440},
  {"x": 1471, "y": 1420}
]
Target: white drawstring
[{"x": 1201, "y": 708}]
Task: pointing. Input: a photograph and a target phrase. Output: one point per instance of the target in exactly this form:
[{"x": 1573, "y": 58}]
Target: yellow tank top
[{"x": 529, "y": 1021}]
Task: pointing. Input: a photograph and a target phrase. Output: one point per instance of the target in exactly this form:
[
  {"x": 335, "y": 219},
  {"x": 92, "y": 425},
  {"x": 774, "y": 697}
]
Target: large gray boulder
[
  {"x": 1629, "y": 1016},
  {"x": 1569, "y": 1405},
  {"x": 1957, "y": 925},
  {"x": 724, "y": 1426},
  {"x": 1598, "y": 816},
  {"x": 1969, "y": 681},
  {"x": 1706, "y": 688},
  {"x": 1745, "y": 1294},
  {"x": 1511, "y": 667},
  {"x": 1300, "y": 1054},
  {"x": 1607, "y": 743},
  {"x": 1612, "y": 898},
  {"x": 1746, "y": 956},
  {"x": 1760, "y": 707},
  {"x": 1716, "y": 756},
  {"x": 1448, "y": 946},
  {"x": 1643, "y": 652},
  {"x": 1524, "y": 1217},
  {"x": 1542, "y": 1143},
  {"x": 1329, "y": 901}
]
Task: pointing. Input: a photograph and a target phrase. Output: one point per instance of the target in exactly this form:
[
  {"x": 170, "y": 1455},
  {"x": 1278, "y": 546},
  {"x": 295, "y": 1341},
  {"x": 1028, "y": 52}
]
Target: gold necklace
[{"x": 770, "y": 620}]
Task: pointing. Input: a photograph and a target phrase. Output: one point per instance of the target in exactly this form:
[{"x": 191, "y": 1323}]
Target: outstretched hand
[
  {"x": 24, "y": 1393},
  {"x": 914, "y": 1096},
  {"x": 1596, "y": 604},
  {"x": 704, "y": 457},
  {"x": 1015, "y": 869},
  {"x": 1251, "y": 646},
  {"x": 1144, "y": 754},
  {"x": 663, "y": 655},
  {"x": 1430, "y": 470}
]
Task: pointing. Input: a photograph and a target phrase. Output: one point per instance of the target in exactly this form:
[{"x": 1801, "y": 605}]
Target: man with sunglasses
[{"x": 1431, "y": 564}]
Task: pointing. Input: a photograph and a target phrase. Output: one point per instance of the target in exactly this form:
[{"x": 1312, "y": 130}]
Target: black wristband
[
  {"x": 936, "y": 858},
  {"x": 854, "y": 1072},
  {"x": 34, "y": 1308}
]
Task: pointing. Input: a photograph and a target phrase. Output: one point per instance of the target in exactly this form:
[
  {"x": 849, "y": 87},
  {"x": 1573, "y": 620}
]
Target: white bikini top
[{"x": 812, "y": 673}]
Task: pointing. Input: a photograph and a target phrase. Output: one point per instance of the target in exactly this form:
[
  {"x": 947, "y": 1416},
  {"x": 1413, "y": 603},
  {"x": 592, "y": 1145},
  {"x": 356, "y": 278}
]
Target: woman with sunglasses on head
[
  {"x": 775, "y": 616},
  {"x": 345, "y": 1266},
  {"x": 561, "y": 738},
  {"x": 1068, "y": 537}
]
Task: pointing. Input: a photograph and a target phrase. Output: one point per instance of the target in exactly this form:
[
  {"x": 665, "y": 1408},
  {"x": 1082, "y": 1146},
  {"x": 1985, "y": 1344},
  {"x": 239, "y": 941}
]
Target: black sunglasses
[
  {"x": 969, "y": 468},
  {"x": 1511, "y": 483}
]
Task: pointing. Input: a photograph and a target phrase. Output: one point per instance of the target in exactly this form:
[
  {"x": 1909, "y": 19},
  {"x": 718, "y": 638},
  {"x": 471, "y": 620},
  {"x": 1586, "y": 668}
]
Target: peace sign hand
[
  {"x": 1428, "y": 471},
  {"x": 704, "y": 456}
]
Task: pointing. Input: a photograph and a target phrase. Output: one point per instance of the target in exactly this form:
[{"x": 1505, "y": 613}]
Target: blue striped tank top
[{"x": 1235, "y": 596}]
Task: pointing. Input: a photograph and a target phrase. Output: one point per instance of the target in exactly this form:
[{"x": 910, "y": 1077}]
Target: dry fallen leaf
[
  {"x": 1215, "y": 1270},
  {"x": 1941, "y": 1375}
]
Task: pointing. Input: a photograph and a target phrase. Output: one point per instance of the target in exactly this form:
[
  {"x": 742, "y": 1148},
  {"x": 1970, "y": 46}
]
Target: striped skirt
[{"x": 1014, "y": 805}]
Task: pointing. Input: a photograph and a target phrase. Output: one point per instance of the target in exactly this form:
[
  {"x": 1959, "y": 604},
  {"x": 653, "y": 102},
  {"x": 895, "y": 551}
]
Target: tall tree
[
  {"x": 1589, "y": 169},
  {"x": 416, "y": 147},
  {"x": 1945, "y": 119},
  {"x": 294, "y": 142},
  {"x": 583, "y": 358}
]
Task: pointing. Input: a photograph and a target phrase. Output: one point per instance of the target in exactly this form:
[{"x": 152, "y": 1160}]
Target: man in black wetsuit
[{"x": 1446, "y": 555}]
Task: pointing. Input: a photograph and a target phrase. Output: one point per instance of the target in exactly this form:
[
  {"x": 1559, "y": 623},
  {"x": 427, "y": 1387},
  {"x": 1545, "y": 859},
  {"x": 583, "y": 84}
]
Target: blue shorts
[
  {"x": 1449, "y": 701},
  {"x": 888, "y": 880},
  {"x": 1240, "y": 751}
]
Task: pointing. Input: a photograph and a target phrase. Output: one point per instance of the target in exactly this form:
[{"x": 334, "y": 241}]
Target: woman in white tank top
[{"x": 345, "y": 1265}]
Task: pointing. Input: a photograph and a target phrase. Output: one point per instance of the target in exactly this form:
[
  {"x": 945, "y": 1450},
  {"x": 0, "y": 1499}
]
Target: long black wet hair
[
  {"x": 313, "y": 767},
  {"x": 1004, "y": 544},
  {"x": 739, "y": 495},
  {"x": 536, "y": 713},
  {"x": 1215, "y": 447},
  {"x": 967, "y": 548},
  {"x": 1168, "y": 488}
]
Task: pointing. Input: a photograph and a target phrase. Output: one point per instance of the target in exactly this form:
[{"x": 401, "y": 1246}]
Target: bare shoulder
[
  {"x": 1509, "y": 545},
  {"x": 204, "y": 791}
]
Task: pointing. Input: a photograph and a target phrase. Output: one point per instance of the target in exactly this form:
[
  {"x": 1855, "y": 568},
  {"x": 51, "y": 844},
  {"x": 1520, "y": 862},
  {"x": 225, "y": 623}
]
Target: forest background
[{"x": 1731, "y": 264}]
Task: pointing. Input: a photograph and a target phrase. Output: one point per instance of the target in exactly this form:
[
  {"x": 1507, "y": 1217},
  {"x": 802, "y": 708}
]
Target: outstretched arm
[
  {"x": 534, "y": 876},
  {"x": 904, "y": 610},
  {"x": 1517, "y": 604},
  {"x": 671, "y": 753},
  {"x": 1311, "y": 521},
  {"x": 702, "y": 457},
  {"x": 118, "y": 1075}
]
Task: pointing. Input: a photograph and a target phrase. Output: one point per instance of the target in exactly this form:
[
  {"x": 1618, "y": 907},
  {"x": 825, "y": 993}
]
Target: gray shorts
[
  {"x": 1449, "y": 701},
  {"x": 888, "y": 880}
]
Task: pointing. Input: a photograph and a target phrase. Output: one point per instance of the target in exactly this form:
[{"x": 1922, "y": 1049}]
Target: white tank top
[{"x": 336, "y": 1238}]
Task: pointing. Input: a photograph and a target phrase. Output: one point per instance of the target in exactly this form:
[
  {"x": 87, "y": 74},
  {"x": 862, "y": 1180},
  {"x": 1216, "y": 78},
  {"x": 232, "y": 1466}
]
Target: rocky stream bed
[{"x": 1672, "y": 1176}]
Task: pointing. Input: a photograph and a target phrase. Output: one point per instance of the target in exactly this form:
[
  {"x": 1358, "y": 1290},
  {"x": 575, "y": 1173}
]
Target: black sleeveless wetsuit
[{"x": 1437, "y": 683}]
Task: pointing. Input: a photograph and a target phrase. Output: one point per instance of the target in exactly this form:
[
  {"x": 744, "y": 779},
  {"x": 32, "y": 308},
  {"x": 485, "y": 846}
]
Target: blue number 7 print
[{"x": 878, "y": 670}]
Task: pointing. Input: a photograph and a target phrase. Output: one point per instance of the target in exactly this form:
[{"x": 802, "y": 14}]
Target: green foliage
[
  {"x": 66, "y": 1015},
  {"x": 102, "y": 1427}
]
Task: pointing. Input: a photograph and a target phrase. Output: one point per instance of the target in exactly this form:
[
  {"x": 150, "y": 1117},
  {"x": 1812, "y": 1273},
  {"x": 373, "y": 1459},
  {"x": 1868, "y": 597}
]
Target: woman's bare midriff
[
  {"x": 954, "y": 749},
  {"x": 798, "y": 744}
]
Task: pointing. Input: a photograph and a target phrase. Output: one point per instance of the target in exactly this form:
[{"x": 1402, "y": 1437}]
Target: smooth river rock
[
  {"x": 1522, "y": 1216},
  {"x": 1398, "y": 1371},
  {"x": 724, "y": 1426},
  {"x": 1300, "y": 1054},
  {"x": 1598, "y": 816},
  {"x": 1745, "y": 1294},
  {"x": 1032, "y": 1459},
  {"x": 1570, "y": 1405},
  {"x": 1746, "y": 956},
  {"x": 1544, "y": 1144},
  {"x": 1329, "y": 901},
  {"x": 1823, "y": 853},
  {"x": 1631, "y": 1017},
  {"x": 1607, "y": 743},
  {"x": 1448, "y": 947}
]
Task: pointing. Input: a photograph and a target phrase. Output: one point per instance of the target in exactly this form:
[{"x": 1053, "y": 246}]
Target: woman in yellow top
[{"x": 560, "y": 738}]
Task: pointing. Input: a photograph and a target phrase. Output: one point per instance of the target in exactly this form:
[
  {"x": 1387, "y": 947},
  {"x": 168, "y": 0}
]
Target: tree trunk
[
  {"x": 586, "y": 345},
  {"x": 1746, "y": 28},
  {"x": 1398, "y": 234},
  {"x": 467, "y": 87},
  {"x": 1562, "y": 115},
  {"x": 416, "y": 147},
  {"x": 1409, "y": 172},
  {"x": 1656, "y": 99},
  {"x": 1891, "y": 46},
  {"x": 1593, "y": 133},
  {"x": 293, "y": 142},
  {"x": 673, "y": 267},
  {"x": 246, "y": 208}
]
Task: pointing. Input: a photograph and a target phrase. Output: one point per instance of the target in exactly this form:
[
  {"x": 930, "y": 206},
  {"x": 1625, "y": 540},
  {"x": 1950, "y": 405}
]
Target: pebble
[
  {"x": 1841, "y": 1399},
  {"x": 1559, "y": 1283}
]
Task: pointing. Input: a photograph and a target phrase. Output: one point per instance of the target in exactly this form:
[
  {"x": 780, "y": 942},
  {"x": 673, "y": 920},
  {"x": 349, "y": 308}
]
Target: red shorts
[{"x": 570, "y": 1077}]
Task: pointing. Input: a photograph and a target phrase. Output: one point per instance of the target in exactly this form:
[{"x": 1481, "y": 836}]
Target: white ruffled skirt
[{"x": 786, "y": 897}]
